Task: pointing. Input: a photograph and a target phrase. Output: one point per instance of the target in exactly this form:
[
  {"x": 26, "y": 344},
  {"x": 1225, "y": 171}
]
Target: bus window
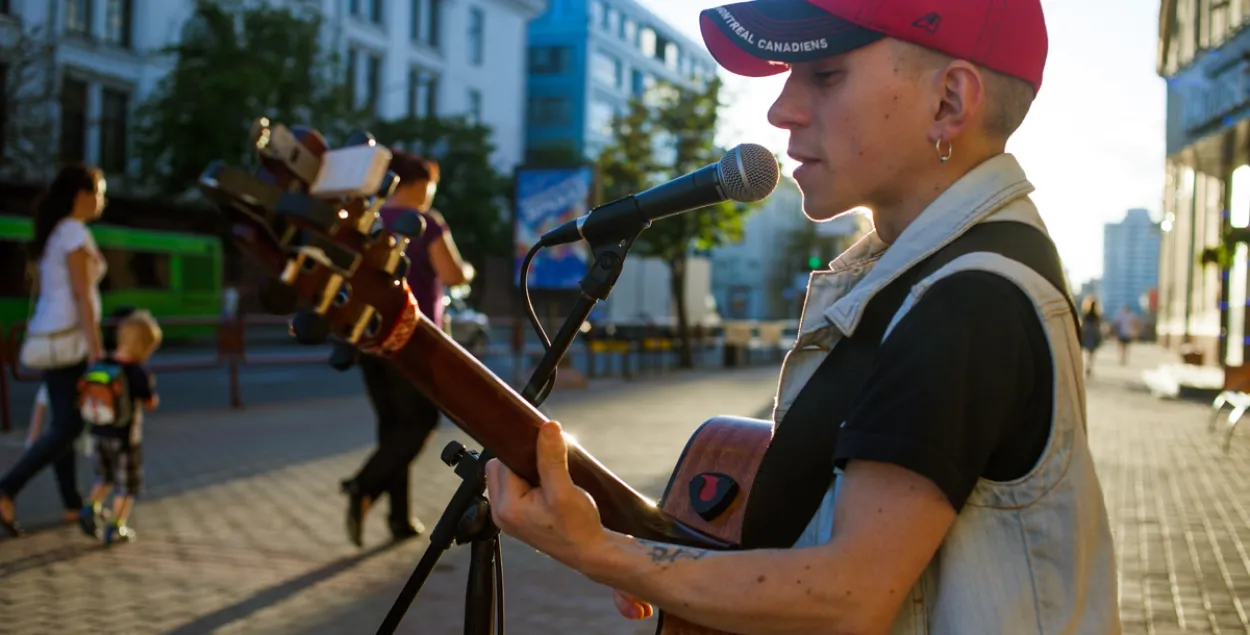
[
  {"x": 135, "y": 270},
  {"x": 12, "y": 261},
  {"x": 199, "y": 273}
]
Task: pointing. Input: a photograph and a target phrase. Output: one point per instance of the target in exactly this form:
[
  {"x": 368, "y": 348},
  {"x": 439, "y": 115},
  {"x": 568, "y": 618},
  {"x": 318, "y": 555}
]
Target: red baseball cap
[{"x": 762, "y": 37}]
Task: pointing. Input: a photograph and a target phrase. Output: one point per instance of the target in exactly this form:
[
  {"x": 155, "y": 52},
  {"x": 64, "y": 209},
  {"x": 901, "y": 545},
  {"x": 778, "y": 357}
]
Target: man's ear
[{"x": 961, "y": 94}]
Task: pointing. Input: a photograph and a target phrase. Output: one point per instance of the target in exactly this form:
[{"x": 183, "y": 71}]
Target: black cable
[{"x": 533, "y": 316}]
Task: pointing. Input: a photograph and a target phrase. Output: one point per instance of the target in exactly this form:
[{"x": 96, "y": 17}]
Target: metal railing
[{"x": 633, "y": 354}]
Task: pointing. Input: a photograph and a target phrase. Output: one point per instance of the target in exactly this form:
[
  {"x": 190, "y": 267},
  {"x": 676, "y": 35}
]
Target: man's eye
[{"x": 824, "y": 77}]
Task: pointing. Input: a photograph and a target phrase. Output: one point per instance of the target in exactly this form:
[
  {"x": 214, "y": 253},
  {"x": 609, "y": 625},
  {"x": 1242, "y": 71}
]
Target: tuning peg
[
  {"x": 409, "y": 224},
  {"x": 342, "y": 356},
  {"x": 401, "y": 269},
  {"x": 360, "y": 138},
  {"x": 309, "y": 328},
  {"x": 389, "y": 183}
]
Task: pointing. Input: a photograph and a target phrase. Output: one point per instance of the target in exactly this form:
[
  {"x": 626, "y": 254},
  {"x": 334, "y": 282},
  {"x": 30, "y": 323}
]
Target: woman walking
[{"x": 70, "y": 268}]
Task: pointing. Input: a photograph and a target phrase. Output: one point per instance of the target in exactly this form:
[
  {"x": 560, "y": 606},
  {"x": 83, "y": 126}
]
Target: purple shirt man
[{"x": 426, "y": 287}]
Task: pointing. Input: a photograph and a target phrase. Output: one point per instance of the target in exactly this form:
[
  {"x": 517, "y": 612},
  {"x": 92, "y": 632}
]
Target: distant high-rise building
[
  {"x": 1130, "y": 261},
  {"x": 588, "y": 58}
]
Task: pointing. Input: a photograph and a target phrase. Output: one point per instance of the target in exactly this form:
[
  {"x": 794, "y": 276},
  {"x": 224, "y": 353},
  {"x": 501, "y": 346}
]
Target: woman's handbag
[
  {"x": 58, "y": 349},
  {"x": 43, "y": 351}
]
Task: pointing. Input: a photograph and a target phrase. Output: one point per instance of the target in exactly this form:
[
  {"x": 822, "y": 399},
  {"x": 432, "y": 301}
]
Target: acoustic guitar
[{"x": 335, "y": 260}]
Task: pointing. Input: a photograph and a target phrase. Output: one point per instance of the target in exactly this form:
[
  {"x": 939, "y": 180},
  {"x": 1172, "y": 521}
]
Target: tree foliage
[
  {"x": 241, "y": 60},
  {"x": 235, "y": 62},
  {"x": 27, "y": 126},
  {"x": 663, "y": 135}
]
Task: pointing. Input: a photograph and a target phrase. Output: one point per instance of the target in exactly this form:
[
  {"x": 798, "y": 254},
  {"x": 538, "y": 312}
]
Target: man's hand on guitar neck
[
  {"x": 889, "y": 523},
  {"x": 559, "y": 519}
]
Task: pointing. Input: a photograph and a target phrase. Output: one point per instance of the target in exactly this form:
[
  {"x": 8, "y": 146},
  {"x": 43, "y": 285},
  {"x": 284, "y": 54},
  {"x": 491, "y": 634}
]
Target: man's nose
[{"x": 790, "y": 109}]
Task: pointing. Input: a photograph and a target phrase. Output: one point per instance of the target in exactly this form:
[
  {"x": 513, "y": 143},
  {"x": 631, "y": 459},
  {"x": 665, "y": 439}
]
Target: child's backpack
[{"x": 104, "y": 395}]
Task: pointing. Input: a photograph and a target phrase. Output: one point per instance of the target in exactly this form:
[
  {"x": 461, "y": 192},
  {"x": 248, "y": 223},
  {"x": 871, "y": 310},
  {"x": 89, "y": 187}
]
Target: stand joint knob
[{"x": 453, "y": 453}]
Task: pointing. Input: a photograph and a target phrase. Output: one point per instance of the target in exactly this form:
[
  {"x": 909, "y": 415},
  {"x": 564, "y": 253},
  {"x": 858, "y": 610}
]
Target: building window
[
  {"x": 114, "y": 116},
  {"x": 477, "y": 36},
  {"x": 422, "y": 93},
  {"x": 606, "y": 69},
  {"x": 373, "y": 82},
  {"x": 350, "y": 79},
  {"x": 353, "y": 7},
  {"x": 73, "y": 120},
  {"x": 629, "y": 31},
  {"x": 660, "y": 50},
  {"x": 549, "y": 60},
  {"x": 672, "y": 56},
  {"x": 4, "y": 104},
  {"x": 78, "y": 17},
  {"x": 4, "y": 6},
  {"x": 646, "y": 41},
  {"x": 597, "y": 11},
  {"x": 375, "y": 11},
  {"x": 642, "y": 83},
  {"x": 426, "y": 21},
  {"x": 475, "y": 106},
  {"x": 613, "y": 23},
  {"x": 548, "y": 112},
  {"x": 118, "y": 16}
]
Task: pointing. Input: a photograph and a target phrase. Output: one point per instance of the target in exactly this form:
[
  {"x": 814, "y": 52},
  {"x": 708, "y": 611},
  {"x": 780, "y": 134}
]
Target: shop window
[{"x": 1239, "y": 216}]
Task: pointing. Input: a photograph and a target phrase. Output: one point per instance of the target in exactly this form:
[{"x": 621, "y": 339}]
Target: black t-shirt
[
  {"x": 960, "y": 390},
  {"x": 140, "y": 386}
]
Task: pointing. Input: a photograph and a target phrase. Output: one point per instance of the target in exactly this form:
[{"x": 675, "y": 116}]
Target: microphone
[{"x": 747, "y": 173}]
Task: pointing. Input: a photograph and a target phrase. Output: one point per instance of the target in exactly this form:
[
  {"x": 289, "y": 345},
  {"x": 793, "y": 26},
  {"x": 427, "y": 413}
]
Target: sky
[{"x": 1092, "y": 144}]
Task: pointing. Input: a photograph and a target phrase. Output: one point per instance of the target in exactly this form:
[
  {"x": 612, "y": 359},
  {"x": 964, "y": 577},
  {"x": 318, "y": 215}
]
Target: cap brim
[{"x": 763, "y": 37}]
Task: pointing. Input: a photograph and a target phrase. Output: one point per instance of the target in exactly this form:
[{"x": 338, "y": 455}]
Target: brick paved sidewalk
[
  {"x": 208, "y": 562},
  {"x": 242, "y": 530},
  {"x": 1180, "y": 506}
]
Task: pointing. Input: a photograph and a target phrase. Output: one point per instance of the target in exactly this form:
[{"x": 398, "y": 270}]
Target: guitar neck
[{"x": 498, "y": 418}]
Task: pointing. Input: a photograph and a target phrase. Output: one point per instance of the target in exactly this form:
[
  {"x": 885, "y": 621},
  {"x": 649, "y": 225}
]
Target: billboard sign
[{"x": 546, "y": 199}]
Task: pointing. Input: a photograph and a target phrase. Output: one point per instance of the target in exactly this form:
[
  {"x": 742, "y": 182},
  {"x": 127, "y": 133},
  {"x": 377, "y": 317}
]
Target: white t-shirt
[{"x": 56, "y": 309}]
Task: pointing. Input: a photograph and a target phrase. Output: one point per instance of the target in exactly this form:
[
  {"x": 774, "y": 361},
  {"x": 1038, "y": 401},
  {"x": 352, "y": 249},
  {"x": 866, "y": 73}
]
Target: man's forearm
[{"x": 761, "y": 592}]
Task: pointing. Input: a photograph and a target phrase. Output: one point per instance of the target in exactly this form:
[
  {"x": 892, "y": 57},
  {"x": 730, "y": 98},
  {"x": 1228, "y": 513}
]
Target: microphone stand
[{"x": 467, "y": 517}]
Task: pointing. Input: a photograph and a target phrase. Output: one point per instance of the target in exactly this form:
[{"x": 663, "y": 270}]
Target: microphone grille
[{"x": 749, "y": 173}]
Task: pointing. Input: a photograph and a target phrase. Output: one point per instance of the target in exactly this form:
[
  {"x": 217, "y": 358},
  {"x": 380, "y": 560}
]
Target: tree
[
  {"x": 664, "y": 135},
  {"x": 27, "y": 91},
  {"x": 235, "y": 62},
  {"x": 472, "y": 194}
]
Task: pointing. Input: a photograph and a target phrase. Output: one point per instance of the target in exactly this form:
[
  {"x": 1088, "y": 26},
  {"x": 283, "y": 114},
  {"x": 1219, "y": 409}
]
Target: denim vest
[{"x": 1030, "y": 556}]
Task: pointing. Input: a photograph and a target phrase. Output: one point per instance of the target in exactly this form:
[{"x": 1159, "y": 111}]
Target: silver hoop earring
[{"x": 950, "y": 149}]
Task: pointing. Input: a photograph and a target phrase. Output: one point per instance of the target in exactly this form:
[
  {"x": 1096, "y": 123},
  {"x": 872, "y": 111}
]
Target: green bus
[{"x": 173, "y": 275}]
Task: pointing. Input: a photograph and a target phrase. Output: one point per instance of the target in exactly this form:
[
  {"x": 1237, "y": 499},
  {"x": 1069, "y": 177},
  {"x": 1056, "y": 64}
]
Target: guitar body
[{"x": 710, "y": 486}]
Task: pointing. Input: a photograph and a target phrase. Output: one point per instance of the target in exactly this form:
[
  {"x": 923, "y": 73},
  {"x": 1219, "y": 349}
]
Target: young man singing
[{"x": 935, "y": 392}]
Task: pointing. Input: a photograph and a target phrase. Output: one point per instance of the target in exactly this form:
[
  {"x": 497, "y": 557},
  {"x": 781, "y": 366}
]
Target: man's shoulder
[{"x": 974, "y": 293}]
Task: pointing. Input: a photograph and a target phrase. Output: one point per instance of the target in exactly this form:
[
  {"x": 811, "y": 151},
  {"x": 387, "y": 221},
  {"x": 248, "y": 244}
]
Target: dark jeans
[
  {"x": 56, "y": 445},
  {"x": 405, "y": 418}
]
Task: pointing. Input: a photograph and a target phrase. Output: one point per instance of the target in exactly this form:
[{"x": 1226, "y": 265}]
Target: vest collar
[{"x": 981, "y": 192}]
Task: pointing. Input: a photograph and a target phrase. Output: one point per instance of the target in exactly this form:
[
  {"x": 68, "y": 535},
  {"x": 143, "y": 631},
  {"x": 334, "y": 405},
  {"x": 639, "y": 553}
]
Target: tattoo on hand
[{"x": 668, "y": 554}]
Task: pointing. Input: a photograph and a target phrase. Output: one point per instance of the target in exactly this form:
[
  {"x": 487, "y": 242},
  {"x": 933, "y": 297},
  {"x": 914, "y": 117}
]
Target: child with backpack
[{"x": 113, "y": 396}]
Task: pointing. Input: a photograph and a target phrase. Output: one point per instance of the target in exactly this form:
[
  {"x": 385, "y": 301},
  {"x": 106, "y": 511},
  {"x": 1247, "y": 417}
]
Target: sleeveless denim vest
[{"x": 1030, "y": 556}]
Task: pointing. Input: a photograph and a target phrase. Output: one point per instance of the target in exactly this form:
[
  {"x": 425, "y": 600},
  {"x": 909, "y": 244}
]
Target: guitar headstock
[{"x": 309, "y": 215}]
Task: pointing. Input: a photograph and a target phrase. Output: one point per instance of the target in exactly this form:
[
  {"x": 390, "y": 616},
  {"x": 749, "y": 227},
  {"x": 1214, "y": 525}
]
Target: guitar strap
[{"x": 797, "y": 469}]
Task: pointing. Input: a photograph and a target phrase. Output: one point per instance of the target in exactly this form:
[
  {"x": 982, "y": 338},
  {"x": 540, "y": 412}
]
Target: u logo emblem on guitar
[{"x": 711, "y": 493}]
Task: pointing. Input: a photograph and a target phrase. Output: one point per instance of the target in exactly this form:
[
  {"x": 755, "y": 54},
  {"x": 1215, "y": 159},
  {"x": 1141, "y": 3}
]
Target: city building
[
  {"x": 1130, "y": 262},
  {"x": 764, "y": 276},
  {"x": 1204, "y": 54},
  {"x": 443, "y": 57},
  {"x": 588, "y": 58}
]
